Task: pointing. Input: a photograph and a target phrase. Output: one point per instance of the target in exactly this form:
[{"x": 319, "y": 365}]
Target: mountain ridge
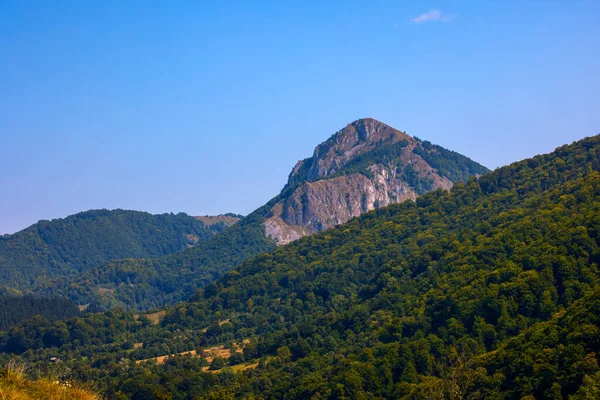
[
  {"x": 67, "y": 246},
  {"x": 366, "y": 165}
]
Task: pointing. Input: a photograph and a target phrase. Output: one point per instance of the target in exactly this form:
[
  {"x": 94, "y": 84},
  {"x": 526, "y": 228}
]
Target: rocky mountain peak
[
  {"x": 365, "y": 165},
  {"x": 357, "y": 138},
  {"x": 368, "y": 128}
]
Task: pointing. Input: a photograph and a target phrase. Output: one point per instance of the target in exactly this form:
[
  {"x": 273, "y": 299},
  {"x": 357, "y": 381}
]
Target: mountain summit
[
  {"x": 366, "y": 165},
  {"x": 358, "y": 138}
]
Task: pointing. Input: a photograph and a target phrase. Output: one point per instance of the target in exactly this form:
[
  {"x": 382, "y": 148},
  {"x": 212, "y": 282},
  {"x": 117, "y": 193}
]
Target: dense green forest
[
  {"x": 29, "y": 259},
  {"x": 551, "y": 358},
  {"x": 450, "y": 164},
  {"x": 14, "y": 309},
  {"x": 487, "y": 291}
]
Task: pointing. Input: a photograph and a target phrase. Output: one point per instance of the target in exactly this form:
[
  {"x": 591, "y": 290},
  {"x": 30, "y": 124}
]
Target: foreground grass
[{"x": 14, "y": 385}]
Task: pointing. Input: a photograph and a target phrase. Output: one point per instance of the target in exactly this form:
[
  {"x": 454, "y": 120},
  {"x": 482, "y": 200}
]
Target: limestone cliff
[{"x": 366, "y": 165}]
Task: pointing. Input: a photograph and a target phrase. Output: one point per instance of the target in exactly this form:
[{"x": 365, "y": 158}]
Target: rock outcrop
[{"x": 366, "y": 165}]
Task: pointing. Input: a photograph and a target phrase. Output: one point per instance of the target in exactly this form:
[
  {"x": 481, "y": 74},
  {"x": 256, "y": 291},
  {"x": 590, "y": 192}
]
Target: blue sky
[{"x": 204, "y": 107}]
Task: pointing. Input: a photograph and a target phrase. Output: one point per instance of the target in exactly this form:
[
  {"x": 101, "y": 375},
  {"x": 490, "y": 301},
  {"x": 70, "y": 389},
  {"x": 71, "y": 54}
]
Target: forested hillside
[
  {"x": 14, "y": 309},
  {"x": 487, "y": 291},
  {"x": 153, "y": 282},
  {"x": 64, "y": 247},
  {"x": 551, "y": 358}
]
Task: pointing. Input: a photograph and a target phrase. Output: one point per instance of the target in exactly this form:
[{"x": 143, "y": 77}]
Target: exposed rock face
[
  {"x": 366, "y": 165},
  {"x": 357, "y": 138}
]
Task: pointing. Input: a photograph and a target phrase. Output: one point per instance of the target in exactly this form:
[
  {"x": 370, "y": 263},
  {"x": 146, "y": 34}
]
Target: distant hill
[
  {"x": 64, "y": 247},
  {"x": 366, "y": 165},
  {"x": 489, "y": 290},
  {"x": 146, "y": 283}
]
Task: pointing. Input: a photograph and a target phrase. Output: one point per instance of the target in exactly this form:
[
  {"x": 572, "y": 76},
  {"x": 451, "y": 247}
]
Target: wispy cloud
[{"x": 432, "y": 16}]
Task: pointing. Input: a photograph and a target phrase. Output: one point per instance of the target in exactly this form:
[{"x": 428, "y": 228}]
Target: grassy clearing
[
  {"x": 155, "y": 317},
  {"x": 235, "y": 368},
  {"x": 209, "y": 353}
]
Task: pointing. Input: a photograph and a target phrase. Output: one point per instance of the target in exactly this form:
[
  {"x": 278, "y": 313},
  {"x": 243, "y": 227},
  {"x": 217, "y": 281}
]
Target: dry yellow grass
[
  {"x": 15, "y": 386},
  {"x": 220, "y": 324},
  {"x": 209, "y": 353},
  {"x": 155, "y": 318},
  {"x": 161, "y": 359},
  {"x": 235, "y": 368},
  {"x": 103, "y": 291}
]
